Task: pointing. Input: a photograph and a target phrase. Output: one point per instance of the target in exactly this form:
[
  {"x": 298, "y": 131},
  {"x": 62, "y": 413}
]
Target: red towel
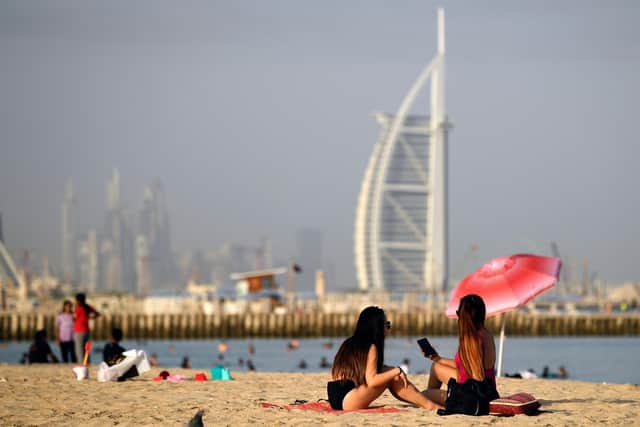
[{"x": 325, "y": 407}]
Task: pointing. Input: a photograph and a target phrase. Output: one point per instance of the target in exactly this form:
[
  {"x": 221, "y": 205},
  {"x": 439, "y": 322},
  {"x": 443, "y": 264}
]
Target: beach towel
[
  {"x": 132, "y": 358},
  {"x": 325, "y": 407},
  {"x": 520, "y": 403}
]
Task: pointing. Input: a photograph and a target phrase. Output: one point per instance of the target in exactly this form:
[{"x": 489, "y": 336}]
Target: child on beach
[
  {"x": 112, "y": 351},
  {"x": 40, "y": 351},
  {"x": 64, "y": 333},
  {"x": 359, "y": 375},
  {"x": 82, "y": 314},
  {"x": 476, "y": 355}
]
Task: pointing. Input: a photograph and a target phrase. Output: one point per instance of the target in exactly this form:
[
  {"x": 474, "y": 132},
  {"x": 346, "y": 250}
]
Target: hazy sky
[{"x": 257, "y": 117}]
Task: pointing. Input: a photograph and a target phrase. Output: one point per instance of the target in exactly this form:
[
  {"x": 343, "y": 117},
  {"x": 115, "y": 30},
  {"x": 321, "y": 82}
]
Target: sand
[{"x": 49, "y": 395}]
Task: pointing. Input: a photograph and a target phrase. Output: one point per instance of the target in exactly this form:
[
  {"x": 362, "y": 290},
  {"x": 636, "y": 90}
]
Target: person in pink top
[
  {"x": 82, "y": 314},
  {"x": 476, "y": 355},
  {"x": 64, "y": 333}
]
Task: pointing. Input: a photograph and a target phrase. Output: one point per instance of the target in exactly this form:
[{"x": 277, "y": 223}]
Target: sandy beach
[{"x": 49, "y": 395}]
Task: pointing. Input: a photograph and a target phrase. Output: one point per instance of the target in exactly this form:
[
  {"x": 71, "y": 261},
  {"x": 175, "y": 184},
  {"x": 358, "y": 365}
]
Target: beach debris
[{"x": 196, "y": 421}]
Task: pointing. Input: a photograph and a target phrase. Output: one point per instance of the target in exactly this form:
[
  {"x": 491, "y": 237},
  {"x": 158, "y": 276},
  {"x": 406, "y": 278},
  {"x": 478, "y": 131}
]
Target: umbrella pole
[{"x": 503, "y": 321}]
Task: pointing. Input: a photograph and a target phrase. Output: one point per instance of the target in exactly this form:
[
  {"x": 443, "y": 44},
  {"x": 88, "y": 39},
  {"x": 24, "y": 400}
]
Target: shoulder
[{"x": 373, "y": 351}]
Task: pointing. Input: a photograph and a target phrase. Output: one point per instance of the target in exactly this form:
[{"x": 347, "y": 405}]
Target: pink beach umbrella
[{"x": 507, "y": 283}]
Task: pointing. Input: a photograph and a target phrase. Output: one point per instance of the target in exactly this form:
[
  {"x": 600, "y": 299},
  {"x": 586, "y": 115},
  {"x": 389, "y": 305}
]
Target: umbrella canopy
[{"x": 507, "y": 283}]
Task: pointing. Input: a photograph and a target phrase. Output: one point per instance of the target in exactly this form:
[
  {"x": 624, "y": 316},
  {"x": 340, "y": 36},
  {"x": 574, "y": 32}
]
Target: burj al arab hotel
[{"x": 401, "y": 236}]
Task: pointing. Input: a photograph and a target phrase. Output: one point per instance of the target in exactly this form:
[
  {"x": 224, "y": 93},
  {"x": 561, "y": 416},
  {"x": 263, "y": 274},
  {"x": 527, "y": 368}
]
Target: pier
[{"x": 309, "y": 325}]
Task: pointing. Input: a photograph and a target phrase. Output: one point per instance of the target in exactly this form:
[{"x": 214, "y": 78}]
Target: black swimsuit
[{"x": 337, "y": 390}]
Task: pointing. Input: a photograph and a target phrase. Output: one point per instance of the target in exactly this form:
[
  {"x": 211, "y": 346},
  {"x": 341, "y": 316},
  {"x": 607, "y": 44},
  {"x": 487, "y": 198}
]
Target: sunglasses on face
[{"x": 387, "y": 324}]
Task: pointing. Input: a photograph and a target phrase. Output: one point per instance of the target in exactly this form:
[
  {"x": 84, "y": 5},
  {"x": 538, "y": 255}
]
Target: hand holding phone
[{"x": 427, "y": 348}]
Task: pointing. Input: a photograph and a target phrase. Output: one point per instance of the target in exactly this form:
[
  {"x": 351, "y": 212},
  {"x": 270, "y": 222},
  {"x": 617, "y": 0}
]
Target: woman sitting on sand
[
  {"x": 476, "y": 355},
  {"x": 359, "y": 375}
]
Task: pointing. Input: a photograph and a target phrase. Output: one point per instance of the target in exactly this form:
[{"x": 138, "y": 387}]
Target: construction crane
[{"x": 469, "y": 256}]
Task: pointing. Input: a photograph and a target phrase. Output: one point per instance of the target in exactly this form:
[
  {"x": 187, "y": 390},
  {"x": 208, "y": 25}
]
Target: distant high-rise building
[
  {"x": 113, "y": 191},
  {"x": 88, "y": 258},
  {"x": 154, "y": 226},
  {"x": 117, "y": 249},
  {"x": 68, "y": 234},
  {"x": 142, "y": 266},
  {"x": 309, "y": 257}
]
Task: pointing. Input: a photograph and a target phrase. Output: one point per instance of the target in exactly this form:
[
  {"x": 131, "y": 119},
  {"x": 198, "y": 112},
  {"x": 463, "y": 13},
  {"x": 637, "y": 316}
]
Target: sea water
[{"x": 597, "y": 359}]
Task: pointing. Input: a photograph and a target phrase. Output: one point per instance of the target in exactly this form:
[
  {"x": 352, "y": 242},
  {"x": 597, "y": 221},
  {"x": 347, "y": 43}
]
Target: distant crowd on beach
[{"x": 546, "y": 373}]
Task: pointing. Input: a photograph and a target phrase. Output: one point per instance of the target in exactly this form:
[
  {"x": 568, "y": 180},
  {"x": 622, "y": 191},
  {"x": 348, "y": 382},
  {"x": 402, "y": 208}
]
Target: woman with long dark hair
[
  {"x": 476, "y": 355},
  {"x": 359, "y": 375}
]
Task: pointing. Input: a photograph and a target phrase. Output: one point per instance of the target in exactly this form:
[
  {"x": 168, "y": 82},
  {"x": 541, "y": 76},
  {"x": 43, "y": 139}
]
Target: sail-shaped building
[{"x": 401, "y": 236}]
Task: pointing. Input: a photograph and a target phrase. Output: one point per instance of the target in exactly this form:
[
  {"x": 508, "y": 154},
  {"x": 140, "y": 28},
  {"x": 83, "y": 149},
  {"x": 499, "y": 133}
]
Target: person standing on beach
[
  {"x": 64, "y": 333},
  {"x": 476, "y": 355},
  {"x": 359, "y": 375},
  {"x": 82, "y": 314}
]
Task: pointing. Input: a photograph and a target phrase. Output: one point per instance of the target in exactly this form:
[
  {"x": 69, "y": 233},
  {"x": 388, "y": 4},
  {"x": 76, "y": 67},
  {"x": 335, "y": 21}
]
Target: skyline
[{"x": 257, "y": 133}]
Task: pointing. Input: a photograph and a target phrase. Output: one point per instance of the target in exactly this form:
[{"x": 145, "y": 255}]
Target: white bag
[{"x": 137, "y": 358}]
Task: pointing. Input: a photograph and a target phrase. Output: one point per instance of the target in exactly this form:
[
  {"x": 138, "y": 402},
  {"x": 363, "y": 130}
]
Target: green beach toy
[{"x": 221, "y": 373}]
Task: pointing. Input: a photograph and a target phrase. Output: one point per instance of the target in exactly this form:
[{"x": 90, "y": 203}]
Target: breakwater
[{"x": 199, "y": 326}]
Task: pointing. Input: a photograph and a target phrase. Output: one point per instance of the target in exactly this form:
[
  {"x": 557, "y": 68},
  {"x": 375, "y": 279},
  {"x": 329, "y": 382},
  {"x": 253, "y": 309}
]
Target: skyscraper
[
  {"x": 401, "y": 232},
  {"x": 68, "y": 234},
  {"x": 88, "y": 262},
  {"x": 117, "y": 248},
  {"x": 155, "y": 228}
]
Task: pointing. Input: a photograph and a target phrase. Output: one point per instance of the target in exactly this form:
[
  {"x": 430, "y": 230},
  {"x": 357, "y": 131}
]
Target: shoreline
[{"x": 50, "y": 395}]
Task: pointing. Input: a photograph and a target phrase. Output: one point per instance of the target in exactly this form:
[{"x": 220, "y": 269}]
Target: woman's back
[{"x": 488, "y": 354}]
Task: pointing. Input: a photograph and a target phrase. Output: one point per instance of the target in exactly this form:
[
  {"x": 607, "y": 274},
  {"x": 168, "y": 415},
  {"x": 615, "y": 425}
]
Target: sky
[{"x": 257, "y": 117}]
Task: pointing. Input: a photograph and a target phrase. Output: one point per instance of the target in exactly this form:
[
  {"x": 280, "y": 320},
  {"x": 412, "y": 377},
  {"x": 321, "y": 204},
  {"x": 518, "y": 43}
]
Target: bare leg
[
  {"x": 436, "y": 395},
  {"x": 361, "y": 397},
  {"x": 440, "y": 374},
  {"x": 410, "y": 394}
]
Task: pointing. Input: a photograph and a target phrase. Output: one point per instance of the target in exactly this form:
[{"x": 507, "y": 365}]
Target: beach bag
[
  {"x": 131, "y": 364},
  {"x": 519, "y": 403},
  {"x": 219, "y": 372},
  {"x": 472, "y": 397}
]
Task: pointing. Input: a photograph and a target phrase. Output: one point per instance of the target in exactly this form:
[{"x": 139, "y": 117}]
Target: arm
[
  {"x": 446, "y": 362},
  {"x": 437, "y": 359},
  {"x": 93, "y": 313},
  {"x": 375, "y": 378}
]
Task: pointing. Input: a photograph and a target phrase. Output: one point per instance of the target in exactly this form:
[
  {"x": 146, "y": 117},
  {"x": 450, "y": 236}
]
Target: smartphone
[{"x": 427, "y": 348}]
